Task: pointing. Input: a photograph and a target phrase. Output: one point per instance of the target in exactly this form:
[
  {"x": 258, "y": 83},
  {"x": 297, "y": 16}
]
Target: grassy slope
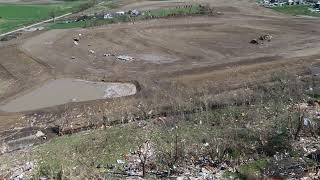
[
  {"x": 87, "y": 150},
  {"x": 296, "y": 10},
  {"x": 14, "y": 15},
  {"x": 107, "y": 146}
]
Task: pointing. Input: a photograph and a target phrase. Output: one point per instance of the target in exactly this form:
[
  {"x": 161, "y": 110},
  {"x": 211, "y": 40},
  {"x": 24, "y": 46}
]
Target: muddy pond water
[{"x": 62, "y": 91}]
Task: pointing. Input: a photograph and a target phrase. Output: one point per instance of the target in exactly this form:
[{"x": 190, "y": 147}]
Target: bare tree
[
  {"x": 144, "y": 154},
  {"x": 52, "y": 14}
]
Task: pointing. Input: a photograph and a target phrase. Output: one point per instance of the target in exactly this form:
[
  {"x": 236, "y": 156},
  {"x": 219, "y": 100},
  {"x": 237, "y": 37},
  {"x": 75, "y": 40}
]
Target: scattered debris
[
  {"x": 120, "y": 13},
  {"x": 306, "y": 122},
  {"x": 119, "y": 161},
  {"x": 314, "y": 155},
  {"x": 107, "y": 55},
  {"x": 40, "y": 134},
  {"x": 3, "y": 148},
  {"x": 76, "y": 41},
  {"x": 10, "y": 36},
  {"x": 82, "y": 18},
  {"x": 125, "y": 58},
  {"x": 286, "y": 166},
  {"x": 254, "y": 41},
  {"x": 139, "y": 160},
  {"x": 135, "y": 13},
  {"x": 108, "y": 16},
  {"x": 34, "y": 29},
  {"x": 266, "y": 37},
  {"x": 206, "y": 144},
  {"x": 21, "y": 172}
]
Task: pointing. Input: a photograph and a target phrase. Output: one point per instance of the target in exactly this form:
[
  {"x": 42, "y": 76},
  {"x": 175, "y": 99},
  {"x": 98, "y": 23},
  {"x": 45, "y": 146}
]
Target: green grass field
[
  {"x": 13, "y": 16},
  {"x": 163, "y": 12},
  {"x": 296, "y": 10}
]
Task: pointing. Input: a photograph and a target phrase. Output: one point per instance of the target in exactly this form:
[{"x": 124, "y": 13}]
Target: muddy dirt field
[{"x": 190, "y": 51}]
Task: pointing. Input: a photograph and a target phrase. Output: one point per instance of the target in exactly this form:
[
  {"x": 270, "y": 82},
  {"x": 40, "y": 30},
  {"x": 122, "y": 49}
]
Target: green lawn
[
  {"x": 16, "y": 15},
  {"x": 296, "y": 10}
]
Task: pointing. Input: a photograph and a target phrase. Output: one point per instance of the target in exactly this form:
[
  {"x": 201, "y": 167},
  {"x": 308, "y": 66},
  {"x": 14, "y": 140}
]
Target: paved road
[{"x": 36, "y": 24}]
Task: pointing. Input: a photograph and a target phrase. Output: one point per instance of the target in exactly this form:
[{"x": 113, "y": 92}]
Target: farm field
[{"x": 13, "y": 16}]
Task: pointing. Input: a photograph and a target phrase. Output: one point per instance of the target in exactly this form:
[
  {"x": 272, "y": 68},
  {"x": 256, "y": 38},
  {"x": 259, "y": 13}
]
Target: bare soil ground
[
  {"x": 177, "y": 47},
  {"x": 192, "y": 51}
]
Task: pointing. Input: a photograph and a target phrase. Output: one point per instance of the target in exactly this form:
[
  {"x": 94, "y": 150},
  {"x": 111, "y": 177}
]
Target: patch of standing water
[
  {"x": 157, "y": 59},
  {"x": 62, "y": 91}
]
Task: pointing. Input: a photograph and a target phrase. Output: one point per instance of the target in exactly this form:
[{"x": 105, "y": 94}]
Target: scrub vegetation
[{"x": 258, "y": 128}]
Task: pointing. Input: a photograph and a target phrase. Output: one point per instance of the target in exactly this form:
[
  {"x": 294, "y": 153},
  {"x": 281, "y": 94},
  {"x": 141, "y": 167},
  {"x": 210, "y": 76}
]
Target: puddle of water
[
  {"x": 62, "y": 91},
  {"x": 157, "y": 59}
]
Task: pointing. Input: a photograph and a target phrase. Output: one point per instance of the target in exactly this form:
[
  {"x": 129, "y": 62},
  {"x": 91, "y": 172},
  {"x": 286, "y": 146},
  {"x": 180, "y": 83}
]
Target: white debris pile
[
  {"x": 108, "y": 54},
  {"x": 23, "y": 171},
  {"x": 34, "y": 29},
  {"x": 307, "y": 145},
  {"x": 40, "y": 134},
  {"x": 125, "y": 58},
  {"x": 76, "y": 40}
]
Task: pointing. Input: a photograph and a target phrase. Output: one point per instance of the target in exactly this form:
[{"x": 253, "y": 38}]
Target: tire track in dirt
[{"x": 47, "y": 66}]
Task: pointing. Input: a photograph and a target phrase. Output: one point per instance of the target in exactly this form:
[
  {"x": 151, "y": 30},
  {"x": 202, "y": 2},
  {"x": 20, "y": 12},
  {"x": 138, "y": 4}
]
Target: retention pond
[{"x": 62, "y": 91}]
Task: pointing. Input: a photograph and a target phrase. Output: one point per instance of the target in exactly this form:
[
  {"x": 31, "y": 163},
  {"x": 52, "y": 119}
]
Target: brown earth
[{"x": 190, "y": 51}]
